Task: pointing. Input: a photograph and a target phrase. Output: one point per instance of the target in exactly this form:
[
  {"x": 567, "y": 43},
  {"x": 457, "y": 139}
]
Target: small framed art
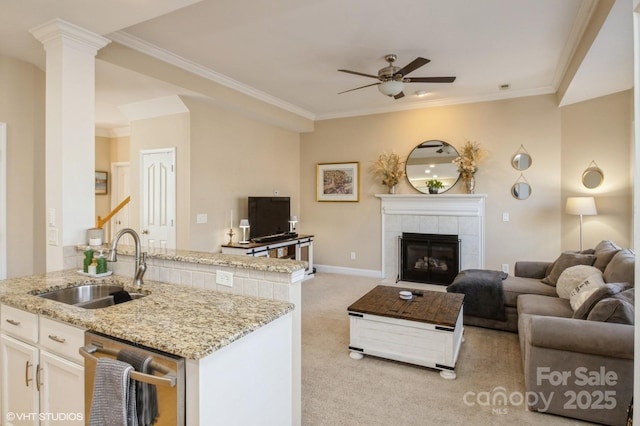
[
  {"x": 338, "y": 182},
  {"x": 102, "y": 183}
]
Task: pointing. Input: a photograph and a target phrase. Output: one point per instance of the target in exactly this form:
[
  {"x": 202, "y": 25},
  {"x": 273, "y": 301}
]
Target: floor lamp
[{"x": 581, "y": 206}]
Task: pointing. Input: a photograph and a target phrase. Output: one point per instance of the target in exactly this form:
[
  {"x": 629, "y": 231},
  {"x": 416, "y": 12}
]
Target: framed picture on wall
[
  {"x": 102, "y": 183},
  {"x": 338, "y": 182}
]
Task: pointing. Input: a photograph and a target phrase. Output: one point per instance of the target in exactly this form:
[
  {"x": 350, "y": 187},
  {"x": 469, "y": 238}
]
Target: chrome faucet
[{"x": 141, "y": 258}]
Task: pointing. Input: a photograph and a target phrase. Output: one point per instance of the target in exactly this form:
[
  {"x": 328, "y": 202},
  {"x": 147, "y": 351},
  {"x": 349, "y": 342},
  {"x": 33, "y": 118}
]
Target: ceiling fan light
[{"x": 391, "y": 87}]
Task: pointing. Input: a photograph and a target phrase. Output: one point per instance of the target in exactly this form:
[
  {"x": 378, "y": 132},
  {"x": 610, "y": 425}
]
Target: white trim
[
  {"x": 158, "y": 107},
  {"x": 3, "y": 200},
  {"x": 370, "y": 273},
  {"x": 154, "y": 51}
]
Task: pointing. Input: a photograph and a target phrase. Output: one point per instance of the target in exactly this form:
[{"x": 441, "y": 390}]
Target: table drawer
[
  {"x": 62, "y": 339},
  {"x": 19, "y": 323}
]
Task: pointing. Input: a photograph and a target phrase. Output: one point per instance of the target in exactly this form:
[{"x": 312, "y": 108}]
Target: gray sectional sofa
[{"x": 577, "y": 360}]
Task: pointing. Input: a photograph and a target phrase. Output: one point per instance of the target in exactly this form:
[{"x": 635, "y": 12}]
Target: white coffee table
[{"x": 426, "y": 330}]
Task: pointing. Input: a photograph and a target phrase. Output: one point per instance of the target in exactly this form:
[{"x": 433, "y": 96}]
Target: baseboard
[{"x": 370, "y": 273}]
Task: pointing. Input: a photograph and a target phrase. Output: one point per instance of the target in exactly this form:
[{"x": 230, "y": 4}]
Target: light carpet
[{"x": 338, "y": 390}]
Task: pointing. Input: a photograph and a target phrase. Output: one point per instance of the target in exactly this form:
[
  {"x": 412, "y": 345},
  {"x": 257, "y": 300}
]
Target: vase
[
  {"x": 392, "y": 189},
  {"x": 433, "y": 190},
  {"x": 469, "y": 183}
]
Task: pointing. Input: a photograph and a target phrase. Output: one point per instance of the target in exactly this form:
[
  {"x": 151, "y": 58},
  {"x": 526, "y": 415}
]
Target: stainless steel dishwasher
[{"x": 167, "y": 375}]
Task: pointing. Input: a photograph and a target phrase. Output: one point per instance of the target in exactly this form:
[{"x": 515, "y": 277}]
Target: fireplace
[{"x": 429, "y": 258}]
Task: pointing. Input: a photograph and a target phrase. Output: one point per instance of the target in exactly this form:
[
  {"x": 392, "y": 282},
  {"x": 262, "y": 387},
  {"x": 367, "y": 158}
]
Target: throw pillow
[
  {"x": 580, "y": 294},
  {"x": 621, "y": 268},
  {"x": 604, "y": 251},
  {"x": 618, "y": 308},
  {"x": 566, "y": 260},
  {"x": 600, "y": 293},
  {"x": 571, "y": 277}
]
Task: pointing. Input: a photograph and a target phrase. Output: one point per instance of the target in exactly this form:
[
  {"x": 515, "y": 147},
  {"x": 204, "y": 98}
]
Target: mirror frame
[
  {"x": 432, "y": 143},
  {"x": 515, "y": 193},
  {"x": 592, "y": 170},
  {"x": 515, "y": 160}
]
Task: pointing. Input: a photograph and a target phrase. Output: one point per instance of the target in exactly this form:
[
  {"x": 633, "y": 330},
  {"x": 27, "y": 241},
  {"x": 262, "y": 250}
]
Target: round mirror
[
  {"x": 521, "y": 161},
  {"x": 521, "y": 190},
  {"x": 431, "y": 161},
  {"x": 592, "y": 177}
]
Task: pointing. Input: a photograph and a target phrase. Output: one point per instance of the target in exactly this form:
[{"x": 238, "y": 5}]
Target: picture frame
[
  {"x": 102, "y": 183},
  {"x": 338, "y": 182}
]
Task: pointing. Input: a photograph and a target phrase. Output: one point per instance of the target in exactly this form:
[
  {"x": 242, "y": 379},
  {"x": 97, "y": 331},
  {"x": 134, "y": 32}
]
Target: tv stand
[{"x": 285, "y": 246}]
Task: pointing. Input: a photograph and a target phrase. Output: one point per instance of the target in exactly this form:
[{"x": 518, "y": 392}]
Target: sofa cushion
[
  {"x": 600, "y": 293},
  {"x": 580, "y": 294},
  {"x": 617, "y": 308},
  {"x": 535, "y": 304},
  {"x": 571, "y": 277},
  {"x": 512, "y": 287},
  {"x": 566, "y": 260},
  {"x": 621, "y": 268},
  {"x": 604, "y": 251}
]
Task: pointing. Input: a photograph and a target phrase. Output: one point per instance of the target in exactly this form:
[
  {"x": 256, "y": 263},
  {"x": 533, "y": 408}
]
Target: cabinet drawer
[
  {"x": 61, "y": 339},
  {"x": 19, "y": 323}
]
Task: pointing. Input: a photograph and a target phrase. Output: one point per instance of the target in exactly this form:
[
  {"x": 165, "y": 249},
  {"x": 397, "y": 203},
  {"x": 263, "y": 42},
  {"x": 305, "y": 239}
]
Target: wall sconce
[
  {"x": 293, "y": 220},
  {"x": 581, "y": 206},
  {"x": 244, "y": 225}
]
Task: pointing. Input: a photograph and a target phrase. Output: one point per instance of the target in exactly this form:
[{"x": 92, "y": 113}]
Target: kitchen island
[{"x": 238, "y": 349}]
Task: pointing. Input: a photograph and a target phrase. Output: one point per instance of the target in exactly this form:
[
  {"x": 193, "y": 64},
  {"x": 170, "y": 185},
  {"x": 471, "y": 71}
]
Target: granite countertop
[
  {"x": 217, "y": 259},
  {"x": 181, "y": 320}
]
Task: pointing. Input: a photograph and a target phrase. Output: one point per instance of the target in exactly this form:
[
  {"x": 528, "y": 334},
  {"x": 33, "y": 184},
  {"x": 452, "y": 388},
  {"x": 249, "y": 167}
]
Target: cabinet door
[
  {"x": 19, "y": 393},
  {"x": 61, "y": 390}
]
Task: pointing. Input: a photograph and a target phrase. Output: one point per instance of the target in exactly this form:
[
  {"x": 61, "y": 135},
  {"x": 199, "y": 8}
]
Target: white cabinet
[
  {"x": 42, "y": 372},
  {"x": 20, "y": 396},
  {"x": 61, "y": 390}
]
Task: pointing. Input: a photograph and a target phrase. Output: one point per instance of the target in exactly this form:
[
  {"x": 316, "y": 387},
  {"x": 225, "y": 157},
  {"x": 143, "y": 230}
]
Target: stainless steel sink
[{"x": 88, "y": 296}]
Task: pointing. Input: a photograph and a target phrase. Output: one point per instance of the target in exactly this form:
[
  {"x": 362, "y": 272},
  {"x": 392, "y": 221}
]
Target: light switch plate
[{"x": 52, "y": 236}]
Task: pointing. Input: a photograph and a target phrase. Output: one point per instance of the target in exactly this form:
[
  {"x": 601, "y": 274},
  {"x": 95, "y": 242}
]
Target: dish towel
[
  {"x": 114, "y": 395},
  {"x": 146, "y": 394}
]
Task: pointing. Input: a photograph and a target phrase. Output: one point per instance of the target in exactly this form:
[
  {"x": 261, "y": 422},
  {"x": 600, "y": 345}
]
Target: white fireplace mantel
[{"x": 451, "y": 214}]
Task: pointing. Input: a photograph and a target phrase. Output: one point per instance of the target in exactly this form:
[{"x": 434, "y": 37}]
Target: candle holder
[{"x": 231, "y": 234}]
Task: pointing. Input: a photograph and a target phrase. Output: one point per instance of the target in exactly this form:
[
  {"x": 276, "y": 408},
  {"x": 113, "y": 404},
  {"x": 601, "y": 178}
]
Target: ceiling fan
[{"x": 392, "y": 78}]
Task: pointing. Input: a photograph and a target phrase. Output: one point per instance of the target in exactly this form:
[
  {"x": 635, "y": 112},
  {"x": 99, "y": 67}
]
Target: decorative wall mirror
[
  {"x": 521, "y": 190},
  {"x": 521, "y": 160},
  {"x": 432, "y": 160},
  {"x": 592, "y": 176}
]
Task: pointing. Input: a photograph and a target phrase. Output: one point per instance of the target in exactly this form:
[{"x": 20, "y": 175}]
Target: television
[{"x": 268, "y": 216}]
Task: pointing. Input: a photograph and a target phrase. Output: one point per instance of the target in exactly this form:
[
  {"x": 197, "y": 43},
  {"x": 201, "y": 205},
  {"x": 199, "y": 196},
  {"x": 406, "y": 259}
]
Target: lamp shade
[
  {"x": 391, "y": 87},
  {"x": 581, "y": 206},
  {"x": 244, "y": 223}
]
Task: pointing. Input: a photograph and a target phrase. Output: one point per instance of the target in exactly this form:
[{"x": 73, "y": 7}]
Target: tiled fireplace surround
[{"x": 455, "y": 214}]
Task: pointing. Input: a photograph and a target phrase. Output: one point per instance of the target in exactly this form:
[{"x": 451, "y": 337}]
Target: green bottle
[
  {"x": 101, "y": 267},
  {"x": 88, "y": 258}
]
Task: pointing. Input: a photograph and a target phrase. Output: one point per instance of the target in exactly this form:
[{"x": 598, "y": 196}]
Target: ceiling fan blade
[
  {"x": 429, "y": 80},
  {"x": 412, "y": 66},
  {"x": 360, "y": 73},
  {"x": 399, "y": 95},
  {"x": 361, "y": 87}
]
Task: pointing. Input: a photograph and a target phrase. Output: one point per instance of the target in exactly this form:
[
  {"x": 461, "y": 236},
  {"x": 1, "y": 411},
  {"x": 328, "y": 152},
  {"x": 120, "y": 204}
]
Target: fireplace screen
[{"x": 429, "y": 258}]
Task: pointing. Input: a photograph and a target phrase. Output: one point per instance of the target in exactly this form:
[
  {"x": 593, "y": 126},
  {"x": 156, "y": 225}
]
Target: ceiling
[{"x": 287, "y": 52}]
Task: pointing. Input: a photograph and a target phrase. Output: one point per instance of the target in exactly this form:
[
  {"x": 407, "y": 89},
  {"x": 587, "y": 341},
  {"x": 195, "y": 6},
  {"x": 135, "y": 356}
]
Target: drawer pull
[
  {"x": 13, "y": 322},
  {"x": 57, "y": 339}
]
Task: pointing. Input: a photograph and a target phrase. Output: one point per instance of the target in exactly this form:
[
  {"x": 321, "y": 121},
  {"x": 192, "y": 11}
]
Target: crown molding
[{"x": 164, "y": 55}]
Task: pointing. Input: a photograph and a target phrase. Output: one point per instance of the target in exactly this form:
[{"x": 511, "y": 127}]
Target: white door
[
  {"x": 58, "y": 374},
  {"x": 120, "y": 190},
  {"x": 19, "y": 393},
  {"x": 158, "y": 203}
]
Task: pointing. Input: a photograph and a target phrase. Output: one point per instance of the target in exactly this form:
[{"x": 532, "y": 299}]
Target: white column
[{"x": 70, "y": 135}]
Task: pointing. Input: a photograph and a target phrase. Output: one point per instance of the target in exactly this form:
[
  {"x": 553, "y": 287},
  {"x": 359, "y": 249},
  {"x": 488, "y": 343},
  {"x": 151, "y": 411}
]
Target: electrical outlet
[
  {"x": 276, "y": 192},
  {"x": 201, "y": 218},
  {"x": 353, "y": 255},
  {"x": 505, "y": 267},
  {"x": 52, "y": 236},
  {"x": 505, "y": 217},
  {"x": 224, "y": 278}
]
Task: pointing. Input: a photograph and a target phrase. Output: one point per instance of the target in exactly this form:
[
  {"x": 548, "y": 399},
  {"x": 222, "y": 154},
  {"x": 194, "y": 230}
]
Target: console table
[{"x": 298, "y": 248}]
